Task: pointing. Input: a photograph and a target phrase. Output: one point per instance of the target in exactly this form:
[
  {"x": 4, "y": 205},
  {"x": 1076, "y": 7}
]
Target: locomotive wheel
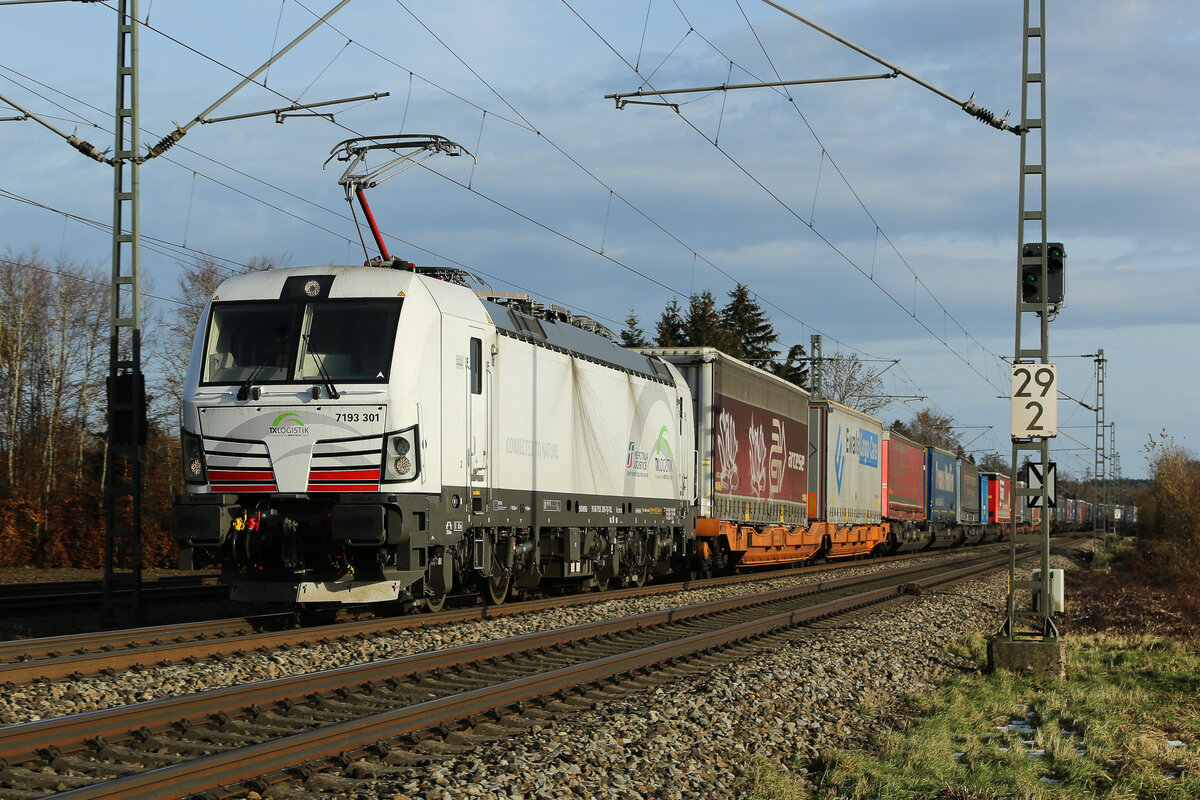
[
  {"x": 433, "y": 602},
  {"x": 495, "y": 587}
]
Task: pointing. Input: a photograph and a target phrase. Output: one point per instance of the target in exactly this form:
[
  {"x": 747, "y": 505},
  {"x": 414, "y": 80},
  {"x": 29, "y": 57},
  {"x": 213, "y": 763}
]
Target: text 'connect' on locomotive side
[{"x": 363, "y": 434}]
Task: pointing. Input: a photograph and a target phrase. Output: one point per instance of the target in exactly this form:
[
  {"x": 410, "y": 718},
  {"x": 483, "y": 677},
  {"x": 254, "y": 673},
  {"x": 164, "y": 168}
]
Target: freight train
[{"x": 364, "y": 434}]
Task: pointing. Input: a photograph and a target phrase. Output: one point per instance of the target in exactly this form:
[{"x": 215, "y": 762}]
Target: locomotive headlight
[
  {"x": 192, "y": 451},
  {"x": 400, "y": 456}
]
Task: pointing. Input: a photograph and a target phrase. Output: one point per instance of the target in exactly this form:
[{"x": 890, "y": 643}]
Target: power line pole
[
  {"x": 1028, "y": 642},
  {"x": 1100, "y": 495},
  {"x": 126, "y": 384},
  {"x": 815, "y": 371}
]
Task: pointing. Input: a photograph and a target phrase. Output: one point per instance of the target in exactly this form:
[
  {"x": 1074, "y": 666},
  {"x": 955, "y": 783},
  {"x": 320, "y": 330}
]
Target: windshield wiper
[
  {"x": 244, "y": 390},
  {"x": 333, "y": 393}
]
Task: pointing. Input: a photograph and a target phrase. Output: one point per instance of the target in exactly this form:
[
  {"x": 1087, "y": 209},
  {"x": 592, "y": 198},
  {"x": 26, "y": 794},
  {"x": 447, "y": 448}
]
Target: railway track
[
  {"x": 66, "y": 596},
  {"x": 275, "y": 730},
  {"x": 84, "y": 654}
]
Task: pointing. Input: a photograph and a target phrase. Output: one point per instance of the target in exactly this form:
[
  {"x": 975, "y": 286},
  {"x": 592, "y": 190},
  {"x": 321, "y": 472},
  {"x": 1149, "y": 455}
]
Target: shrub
[{"x": 1169, "y": 511}]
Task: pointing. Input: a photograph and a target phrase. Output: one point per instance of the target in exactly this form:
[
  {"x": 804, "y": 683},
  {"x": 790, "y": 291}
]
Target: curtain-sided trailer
[
  {"x": 970, "y": 504},
  {"x": 845, "y": 484},
  {"x": 999, "y": 499},
  {"x": 753, "y": 466},
  {"x": 943, "y": 482},
  {"x": 903, "y": 493}
]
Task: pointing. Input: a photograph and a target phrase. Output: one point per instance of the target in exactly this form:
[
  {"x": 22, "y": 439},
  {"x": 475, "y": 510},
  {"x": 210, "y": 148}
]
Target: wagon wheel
[
  {"x": 495, "y": 587},
  {"x": 641, "y": 573}
]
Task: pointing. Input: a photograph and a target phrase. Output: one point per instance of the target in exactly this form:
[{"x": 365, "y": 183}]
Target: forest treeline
[
  {"x": 740, "y": 328},
  {"x": 54, "y": 354}
]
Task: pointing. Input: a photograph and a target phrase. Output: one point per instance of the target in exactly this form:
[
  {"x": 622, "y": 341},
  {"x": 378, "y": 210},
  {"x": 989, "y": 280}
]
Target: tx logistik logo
[
  {"x": 662, "y": 450},
  {"x": 287, "y": 424}
]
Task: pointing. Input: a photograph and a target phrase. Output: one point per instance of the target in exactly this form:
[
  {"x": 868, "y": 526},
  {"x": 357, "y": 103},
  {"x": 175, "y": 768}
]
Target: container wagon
[
  {"x": 752, "y": 446},
  {"x": 903, "y": 493},
  {"x": 846, "y": 481},
  {"x": 941, "y": 471}
]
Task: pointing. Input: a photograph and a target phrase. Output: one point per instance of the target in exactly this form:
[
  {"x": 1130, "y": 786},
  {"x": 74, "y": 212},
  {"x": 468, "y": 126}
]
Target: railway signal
[{"x": 1032, "y": 289}]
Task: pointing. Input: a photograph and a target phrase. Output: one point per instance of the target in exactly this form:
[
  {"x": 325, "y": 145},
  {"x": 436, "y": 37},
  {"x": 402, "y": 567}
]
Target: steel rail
[
  {"x": 21, "y": 743},
  {"x": 48, "y": 598},
  {"x": 74, "y": 655},
  {"x": 236, "y": 766}
]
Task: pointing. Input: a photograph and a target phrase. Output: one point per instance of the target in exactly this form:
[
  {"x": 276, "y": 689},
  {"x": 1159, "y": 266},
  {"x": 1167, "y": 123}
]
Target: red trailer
[
  {"x": 999, "y": 498},
  {"x": 903, "y": 478},
  {"x": 905, "y": 510}
]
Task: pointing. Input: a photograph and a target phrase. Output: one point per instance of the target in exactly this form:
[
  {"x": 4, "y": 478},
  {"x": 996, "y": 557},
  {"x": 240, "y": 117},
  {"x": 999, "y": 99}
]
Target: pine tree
[
  {"x": 749, "y": 334},
  {"x": 702, "y": 325},
  {"x": 633, "y": 335},
  {"x": 794, "y": 368},
  {"x": 669, "y": 331}
]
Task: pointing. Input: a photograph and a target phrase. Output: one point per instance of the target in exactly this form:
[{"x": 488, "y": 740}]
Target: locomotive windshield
[{"x": 282, "y": 342}]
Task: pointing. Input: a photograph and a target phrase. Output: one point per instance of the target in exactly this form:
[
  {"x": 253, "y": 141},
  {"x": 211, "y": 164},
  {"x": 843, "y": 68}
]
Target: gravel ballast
[
  {"x": 696, "y": 734},
  {"x": 699, "y": 736}
]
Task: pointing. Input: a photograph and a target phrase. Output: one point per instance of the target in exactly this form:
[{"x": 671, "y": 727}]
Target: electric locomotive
[{"x": 360, "y": 434}]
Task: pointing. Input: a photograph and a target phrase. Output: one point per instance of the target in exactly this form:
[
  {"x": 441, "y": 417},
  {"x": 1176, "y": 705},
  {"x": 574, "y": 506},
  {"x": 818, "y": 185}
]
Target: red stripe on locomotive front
[
  {"x": 343, "y": 487},
  {"x": 264, "y": 475},
  {"x": 366, "y": 474},
  {"x": 234, "y": 488}
]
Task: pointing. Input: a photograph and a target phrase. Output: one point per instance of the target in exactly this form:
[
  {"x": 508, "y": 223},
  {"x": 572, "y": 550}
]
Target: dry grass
[{"x": 1125, "y": 724}]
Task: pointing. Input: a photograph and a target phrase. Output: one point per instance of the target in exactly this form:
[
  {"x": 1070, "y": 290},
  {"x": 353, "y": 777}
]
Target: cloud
[{"x": 825, "y": 203}]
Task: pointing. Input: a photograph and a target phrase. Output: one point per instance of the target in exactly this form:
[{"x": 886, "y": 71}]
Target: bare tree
[
  {"x": 23, "y": 287},
  {"x": 847, "y": 380},
  {"x": 197, "y": 283},
  {"x": 931, "y": 428},
  {"x": 77, "y": 317},
  {"x": 994, "y": 462}
]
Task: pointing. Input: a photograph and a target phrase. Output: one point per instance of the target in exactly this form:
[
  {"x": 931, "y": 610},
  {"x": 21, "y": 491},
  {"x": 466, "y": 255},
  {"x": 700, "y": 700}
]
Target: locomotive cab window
[
  {"x": 281, "y": 342},
  {"x": 249, "y": 341},
  {"x": 348, "y": 341}
]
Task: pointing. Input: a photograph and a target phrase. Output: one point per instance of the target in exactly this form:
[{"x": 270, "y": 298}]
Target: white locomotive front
[{"x": 364, "y": 434}]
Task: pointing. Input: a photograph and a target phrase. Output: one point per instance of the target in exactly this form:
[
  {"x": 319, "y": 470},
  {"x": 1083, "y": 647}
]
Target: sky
[{"x": 874, "y": 213}]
